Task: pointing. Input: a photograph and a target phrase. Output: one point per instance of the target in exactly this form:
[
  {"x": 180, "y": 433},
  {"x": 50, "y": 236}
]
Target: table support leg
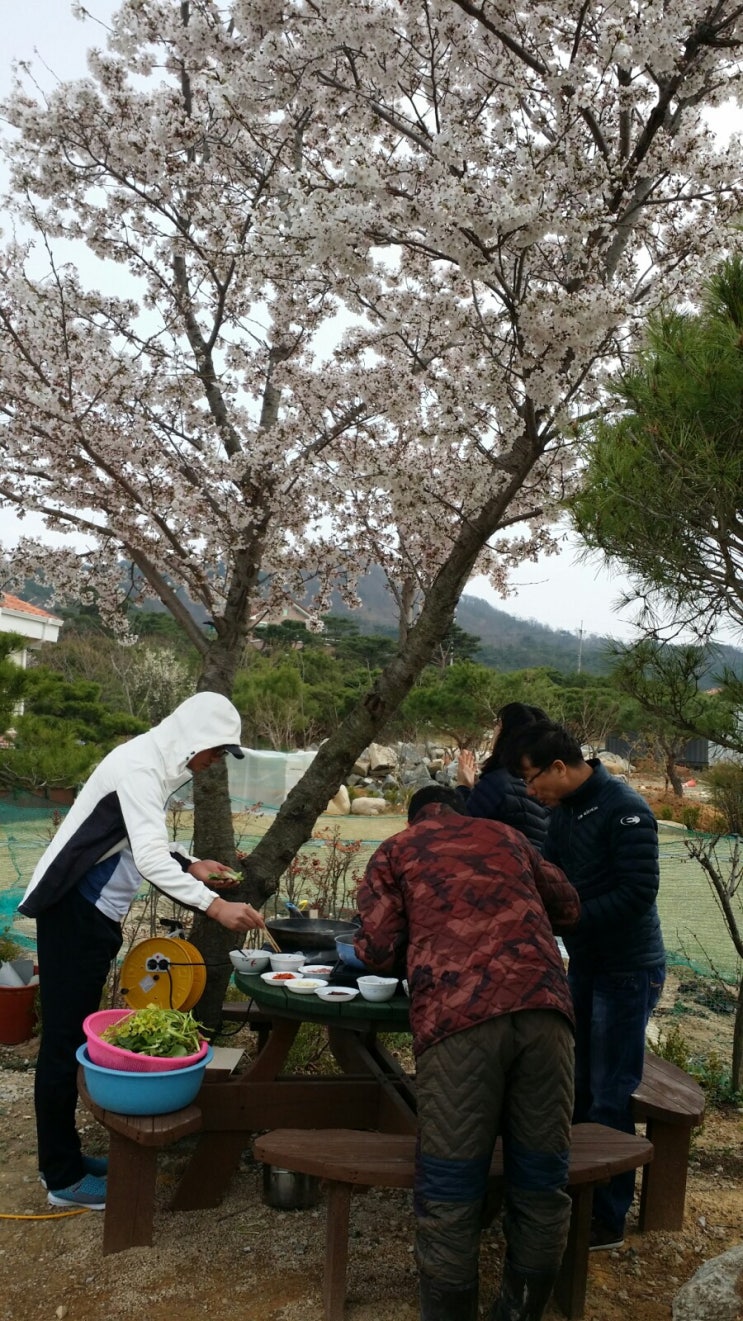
[
  {"x": 130, "y": 1200},
  {"x": 336, "y": 1250},
  {"x": 664, "y": 1179},
  {"x": 267, "y": 1065},
  {"x": 570, "y": 1288},
  {"x": 207, "y": 1176}
]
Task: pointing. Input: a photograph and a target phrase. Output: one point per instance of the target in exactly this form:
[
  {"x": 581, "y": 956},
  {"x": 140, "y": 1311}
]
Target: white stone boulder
[
  {"x": 368, "y": 806},
  {"x": 715, "y": 1293},
  {"x": 340, "y": 805},
  {"x": 381, "y": 759}
]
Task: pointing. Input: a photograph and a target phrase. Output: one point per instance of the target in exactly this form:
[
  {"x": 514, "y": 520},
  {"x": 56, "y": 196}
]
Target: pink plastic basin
[{"x": 108, "y": 1056}]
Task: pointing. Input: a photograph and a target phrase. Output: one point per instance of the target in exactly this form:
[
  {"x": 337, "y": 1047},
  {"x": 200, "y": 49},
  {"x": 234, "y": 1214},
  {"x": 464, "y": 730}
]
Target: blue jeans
[{"x": 612, "y": 1012}]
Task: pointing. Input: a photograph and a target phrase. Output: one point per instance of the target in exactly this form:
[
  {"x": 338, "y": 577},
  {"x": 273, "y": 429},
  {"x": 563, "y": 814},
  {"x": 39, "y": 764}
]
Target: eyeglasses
[{"x": 537, "y": 774}]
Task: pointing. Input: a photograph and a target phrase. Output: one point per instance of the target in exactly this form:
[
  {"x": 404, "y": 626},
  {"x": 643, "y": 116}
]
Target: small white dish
[
  {"x": 336, "y": 993},
  {"x": 304, "y": 986},
  {"x": 322, "y": 971},
  {"x": 249, "y": 961},
  {"x": 286, "y": 962},
  {"x": 281, "y": 978},
  {"x": 377, "y": 988}
]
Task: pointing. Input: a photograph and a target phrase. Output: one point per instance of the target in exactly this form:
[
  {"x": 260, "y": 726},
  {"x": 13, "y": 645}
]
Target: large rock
[
  {"x": 361, "y": 765},
  {"x": 368, "y": 806},
  {"x": 340, "y": 805},
  {"x": 416, "y": 777},
  {"x": 715, "y": 1293},
  {"x": 615, "y": 764},
  {"x": 381, "y": 759}
]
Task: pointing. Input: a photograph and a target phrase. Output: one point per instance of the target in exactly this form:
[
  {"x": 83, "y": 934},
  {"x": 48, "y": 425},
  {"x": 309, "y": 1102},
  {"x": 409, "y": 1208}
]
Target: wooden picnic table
[{"x": 371, "y": 1087}]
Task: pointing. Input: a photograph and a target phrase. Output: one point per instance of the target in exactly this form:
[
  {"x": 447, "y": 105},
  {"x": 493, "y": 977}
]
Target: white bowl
[
  {"x": 304, "y": 985},
  {"x": 286, "y": 962},
  {"x": 337, "y": 993},
  {"x": 249, "y": 960},
  {"x": 322, "y": 971},
  {"x": 286, "y": 975},
  {"x": 377, "y": 988}
]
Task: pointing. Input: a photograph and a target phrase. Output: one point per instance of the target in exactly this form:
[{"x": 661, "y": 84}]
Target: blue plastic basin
[
  {"x": 347, "y": 953},
  {"x": 142, "y": 1093}
]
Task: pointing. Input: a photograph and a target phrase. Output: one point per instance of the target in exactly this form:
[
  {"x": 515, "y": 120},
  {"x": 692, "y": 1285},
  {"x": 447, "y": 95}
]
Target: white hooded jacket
[{"x": 116, "y": 833}]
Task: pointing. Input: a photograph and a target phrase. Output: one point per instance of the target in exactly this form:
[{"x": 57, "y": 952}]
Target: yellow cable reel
[{"x": 163, "y": 971}]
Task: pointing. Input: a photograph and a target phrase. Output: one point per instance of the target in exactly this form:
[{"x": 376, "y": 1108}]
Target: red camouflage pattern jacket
[{"x": 471, "y": 908}]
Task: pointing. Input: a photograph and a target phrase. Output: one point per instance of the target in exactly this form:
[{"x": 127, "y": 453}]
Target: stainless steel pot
[{"x": 286, "y": 1190}]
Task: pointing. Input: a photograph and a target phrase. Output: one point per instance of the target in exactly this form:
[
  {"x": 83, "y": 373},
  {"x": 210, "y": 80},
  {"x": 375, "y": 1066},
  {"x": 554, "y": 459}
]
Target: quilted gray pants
[{"x": 511, "y": 1075}]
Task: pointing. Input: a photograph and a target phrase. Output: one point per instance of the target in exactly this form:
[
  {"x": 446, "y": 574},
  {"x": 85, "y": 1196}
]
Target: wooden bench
[
  {"x": 346, "y": 1158},
  {"x": 132, "y": 1166},
  {"x": 670, "y": 1104}
]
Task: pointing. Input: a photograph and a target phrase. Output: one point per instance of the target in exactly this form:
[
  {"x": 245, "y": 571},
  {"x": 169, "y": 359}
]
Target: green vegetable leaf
[{"x": 167, "y": 1033}]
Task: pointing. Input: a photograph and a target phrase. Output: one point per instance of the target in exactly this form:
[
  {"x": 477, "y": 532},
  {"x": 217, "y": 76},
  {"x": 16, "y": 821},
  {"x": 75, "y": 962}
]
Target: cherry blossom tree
[{"x": 352, "y": 258}]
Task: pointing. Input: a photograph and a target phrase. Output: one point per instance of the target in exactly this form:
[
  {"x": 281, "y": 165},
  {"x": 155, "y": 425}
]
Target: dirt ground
[{"x": 248, "y": 1261}]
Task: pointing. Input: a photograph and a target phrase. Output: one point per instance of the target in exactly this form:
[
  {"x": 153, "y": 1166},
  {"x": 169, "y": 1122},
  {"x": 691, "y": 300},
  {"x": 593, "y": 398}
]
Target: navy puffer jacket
[
  {"x": 605, "y": 838},
  {"x": 500, "y": 796}
]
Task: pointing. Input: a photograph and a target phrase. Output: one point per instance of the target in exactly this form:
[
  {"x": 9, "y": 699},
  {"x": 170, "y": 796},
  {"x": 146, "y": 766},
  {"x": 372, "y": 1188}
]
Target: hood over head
[{"x": 207, "y": 720}]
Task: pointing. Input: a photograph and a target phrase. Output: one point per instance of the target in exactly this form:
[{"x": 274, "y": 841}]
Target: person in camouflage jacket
[{"x": 469, "y": 908}]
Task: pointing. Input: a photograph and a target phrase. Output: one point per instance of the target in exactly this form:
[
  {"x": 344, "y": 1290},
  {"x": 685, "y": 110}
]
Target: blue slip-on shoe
[
  {"x": 90, "y": 1192},
  {"x": 97, "y": 1165}
]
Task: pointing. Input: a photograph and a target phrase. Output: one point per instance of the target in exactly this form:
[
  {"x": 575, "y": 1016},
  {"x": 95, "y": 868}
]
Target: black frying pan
[{"x": 295, "y": 933}]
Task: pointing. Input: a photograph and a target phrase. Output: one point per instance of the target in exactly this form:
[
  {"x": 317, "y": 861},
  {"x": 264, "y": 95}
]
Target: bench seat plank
[
  {"x": 348, "y": 1158},
  {"x": 670, "y": 1104}
]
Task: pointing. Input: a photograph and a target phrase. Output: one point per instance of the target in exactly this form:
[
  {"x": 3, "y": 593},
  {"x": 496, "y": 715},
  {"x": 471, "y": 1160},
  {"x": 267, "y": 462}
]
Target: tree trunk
[
  {"x": 214, "y": 838},
  {"x": 672, "y": 775},
  {"x": 335, "y": 759}
]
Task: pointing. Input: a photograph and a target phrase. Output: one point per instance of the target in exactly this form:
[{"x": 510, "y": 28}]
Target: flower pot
[{"x": 17, "y": 1014}]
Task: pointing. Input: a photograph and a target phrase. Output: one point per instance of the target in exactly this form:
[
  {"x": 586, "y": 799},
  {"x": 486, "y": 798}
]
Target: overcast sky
[{"x": 559, "y": 591}]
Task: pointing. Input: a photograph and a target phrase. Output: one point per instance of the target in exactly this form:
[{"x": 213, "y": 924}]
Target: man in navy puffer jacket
[{"x": 605, "y": 838}]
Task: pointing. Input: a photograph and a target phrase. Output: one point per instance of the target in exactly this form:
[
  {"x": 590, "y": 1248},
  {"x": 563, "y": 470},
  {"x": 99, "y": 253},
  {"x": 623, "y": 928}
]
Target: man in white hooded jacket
[{"x": 114, "y": 835}]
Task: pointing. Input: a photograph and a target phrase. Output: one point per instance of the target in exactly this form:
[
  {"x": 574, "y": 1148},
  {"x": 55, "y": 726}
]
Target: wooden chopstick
[{"x": 275, "y": 946}]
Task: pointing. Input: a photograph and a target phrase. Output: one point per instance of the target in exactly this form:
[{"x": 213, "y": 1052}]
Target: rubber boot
[
  {"x": 446, "y": 1302},
  {"x": 524, "y": 1295}
]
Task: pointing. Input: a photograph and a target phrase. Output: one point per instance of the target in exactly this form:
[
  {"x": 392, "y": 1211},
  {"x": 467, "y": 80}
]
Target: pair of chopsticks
[{"x": 275, "y": 946}]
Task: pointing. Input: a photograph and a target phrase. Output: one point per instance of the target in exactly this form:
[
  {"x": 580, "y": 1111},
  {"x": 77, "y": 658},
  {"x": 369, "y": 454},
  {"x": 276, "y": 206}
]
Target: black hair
[
  {"x": 435, "y": 793},
  {"x": 514, "y": 717},
  {"x": 543, "y": 743}
]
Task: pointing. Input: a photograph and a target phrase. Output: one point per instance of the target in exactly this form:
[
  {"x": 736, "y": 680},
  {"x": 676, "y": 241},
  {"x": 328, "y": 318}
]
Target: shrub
[{"x": 726, "y": 784}]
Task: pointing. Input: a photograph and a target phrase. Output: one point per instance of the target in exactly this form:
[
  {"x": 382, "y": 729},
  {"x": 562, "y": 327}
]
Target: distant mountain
[{"x": 507, "y": 643}]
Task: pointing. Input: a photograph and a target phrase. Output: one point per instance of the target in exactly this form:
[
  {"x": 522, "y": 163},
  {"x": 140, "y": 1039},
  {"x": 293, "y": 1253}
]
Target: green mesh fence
[{"x": 693, "y": 926}]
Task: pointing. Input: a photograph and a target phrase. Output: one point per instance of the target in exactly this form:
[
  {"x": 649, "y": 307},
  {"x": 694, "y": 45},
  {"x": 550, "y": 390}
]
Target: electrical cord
[{"x": 49, "y": 1215}]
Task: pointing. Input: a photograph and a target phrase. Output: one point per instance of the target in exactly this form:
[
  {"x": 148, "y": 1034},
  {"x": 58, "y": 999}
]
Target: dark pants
[
  {"x": 612, "y": 1012},
  {"x": 76, "y": 945},
  {"x": 511, "y": 1075}
]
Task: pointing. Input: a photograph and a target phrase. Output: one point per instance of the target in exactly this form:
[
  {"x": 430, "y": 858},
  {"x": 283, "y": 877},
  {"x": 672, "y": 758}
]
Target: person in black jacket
[
  {"x": 605, "y": 838},
  {"x": 498, "y": 794}
]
